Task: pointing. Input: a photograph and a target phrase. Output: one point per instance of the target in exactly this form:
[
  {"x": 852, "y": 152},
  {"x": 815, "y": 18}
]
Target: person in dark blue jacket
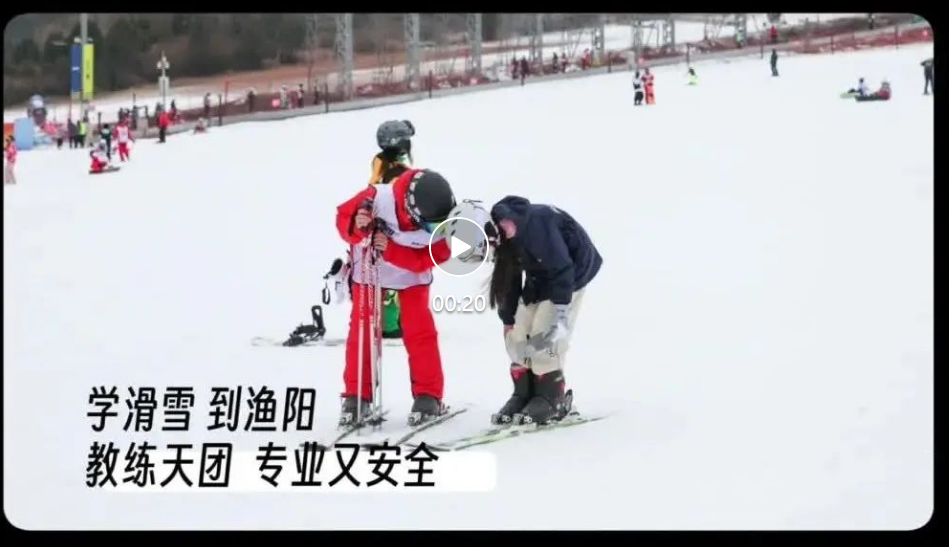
[{"x": 543, "y": 263}]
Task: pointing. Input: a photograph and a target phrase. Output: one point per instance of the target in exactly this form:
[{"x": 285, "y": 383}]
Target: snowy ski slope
[{"x": 762, "y": 325}]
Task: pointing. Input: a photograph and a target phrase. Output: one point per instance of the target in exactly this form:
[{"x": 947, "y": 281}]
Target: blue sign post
[{"x": 75, "y": 67}]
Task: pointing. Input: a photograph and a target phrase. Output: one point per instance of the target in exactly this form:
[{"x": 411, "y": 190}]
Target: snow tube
[
  {"x": 106, "y": 170},
  {"x": 848, "y": 95},
  {"x": 871, "y": 98}
]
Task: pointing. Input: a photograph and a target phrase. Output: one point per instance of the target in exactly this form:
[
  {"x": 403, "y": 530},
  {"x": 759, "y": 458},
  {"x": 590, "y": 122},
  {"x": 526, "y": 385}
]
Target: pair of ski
[
  {"x": 396, "y": 438},
  {"x": 490, "y": 435},
  {"x": 507, "y": 431}
]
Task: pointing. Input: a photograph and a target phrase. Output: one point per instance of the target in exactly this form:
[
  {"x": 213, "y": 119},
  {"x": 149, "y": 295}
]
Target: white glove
[
  {"x": 336, "y": 285},
  {"x": 556, "y": 332}
]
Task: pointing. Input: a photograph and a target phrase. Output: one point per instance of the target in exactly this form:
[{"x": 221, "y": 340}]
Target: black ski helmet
[
  {"x": 395, "y": 134},
  {"x": 429, "y": 198}
]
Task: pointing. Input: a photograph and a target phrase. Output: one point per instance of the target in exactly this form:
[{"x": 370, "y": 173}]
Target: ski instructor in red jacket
[{"x": 400, "y": 219}]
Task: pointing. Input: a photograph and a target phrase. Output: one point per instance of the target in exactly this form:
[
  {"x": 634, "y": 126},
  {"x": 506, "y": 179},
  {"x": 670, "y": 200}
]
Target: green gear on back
[{"x": 390, "y": 312}]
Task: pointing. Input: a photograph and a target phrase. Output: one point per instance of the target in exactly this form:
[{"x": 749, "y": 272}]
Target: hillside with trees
[{"x": 36, "y": 49}]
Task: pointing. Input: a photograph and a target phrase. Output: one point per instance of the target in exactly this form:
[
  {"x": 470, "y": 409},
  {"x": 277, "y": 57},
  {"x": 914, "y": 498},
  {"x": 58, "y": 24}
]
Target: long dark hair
[{"x": 507, "y": 272}]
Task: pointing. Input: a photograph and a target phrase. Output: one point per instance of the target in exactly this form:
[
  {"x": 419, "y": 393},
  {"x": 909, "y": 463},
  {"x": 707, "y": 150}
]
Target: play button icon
[
  {"x": 458, "y": 247},
  {"x": 468, "y": 242}
]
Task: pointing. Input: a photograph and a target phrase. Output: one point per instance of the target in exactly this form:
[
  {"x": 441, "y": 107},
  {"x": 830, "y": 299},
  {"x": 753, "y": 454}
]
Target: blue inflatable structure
[{"x": 24, "y": 133}]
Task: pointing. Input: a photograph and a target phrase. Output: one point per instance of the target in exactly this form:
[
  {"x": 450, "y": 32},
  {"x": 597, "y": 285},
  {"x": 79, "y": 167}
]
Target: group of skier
[
  {"x": 543, "y": 262},
  {"x": 121, "y": 133},
  {"x": 862, "y": 92},
  {"x": 644, "y": 87},
  {"x": 102, "y": 153}
]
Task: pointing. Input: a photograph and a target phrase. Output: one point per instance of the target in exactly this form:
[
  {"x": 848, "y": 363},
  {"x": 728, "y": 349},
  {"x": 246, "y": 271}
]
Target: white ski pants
[{"x": 533, "y": 320}]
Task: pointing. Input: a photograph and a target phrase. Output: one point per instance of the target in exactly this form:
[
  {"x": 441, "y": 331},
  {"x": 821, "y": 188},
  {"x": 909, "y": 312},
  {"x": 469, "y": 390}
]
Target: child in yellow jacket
[{"x": 395, "y": 139}]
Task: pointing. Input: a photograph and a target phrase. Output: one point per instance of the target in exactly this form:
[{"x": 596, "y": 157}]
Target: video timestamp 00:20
[{"x": 464, "y": 304}]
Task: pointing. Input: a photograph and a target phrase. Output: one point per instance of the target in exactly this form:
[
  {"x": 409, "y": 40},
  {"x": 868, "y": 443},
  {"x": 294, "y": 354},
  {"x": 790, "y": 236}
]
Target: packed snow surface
[{"x": 761, "y": 329}]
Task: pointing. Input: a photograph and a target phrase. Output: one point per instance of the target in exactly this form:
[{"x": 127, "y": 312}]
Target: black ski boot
[
  {"x": 550, "y": 403},
  {"x": 348, "y": 413},
  {"x": 522, "y": 378},
  {"x": 424, "y": 409}
]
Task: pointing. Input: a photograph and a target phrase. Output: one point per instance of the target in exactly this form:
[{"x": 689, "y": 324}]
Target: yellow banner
[{"x": 87, "y": 71}]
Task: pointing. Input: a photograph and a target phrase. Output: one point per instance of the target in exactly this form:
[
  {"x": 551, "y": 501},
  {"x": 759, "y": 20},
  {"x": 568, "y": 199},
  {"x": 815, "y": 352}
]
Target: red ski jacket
[{"x": 408, "y": 258}]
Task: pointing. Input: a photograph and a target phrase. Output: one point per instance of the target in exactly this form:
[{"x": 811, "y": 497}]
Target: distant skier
[
  {"x": 100, "y": 160},
  {"x": 693, "y": 77},
  {"x": 251, "y": 95},
  {"x": 122, "y": 136},
  {"x": 862, "y": 90},
  {"x": 73, "y": 132},
  {"x": 928, "y": 75},
  {"x": 9, "y": 157},
  {"x": 774, "y": 62},
  {"x": 638, "y": 89},
  {"x": 200, "y": 126},
  {"x": 81, "y": 140},
  {"x": 400, "y": 218},
  {"x": 105, "y": 134},
  {"x": 559, "y": 260},
  {"x": 587, "y": 59},
  {"x": 163, "y": 122},
  {"x": 649, "y": 81},
  {"x": 882, "y": 94}
]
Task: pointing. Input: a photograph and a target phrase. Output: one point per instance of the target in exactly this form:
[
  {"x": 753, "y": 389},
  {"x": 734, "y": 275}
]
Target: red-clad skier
[
  {"x": 100, "y": 159},
  {"x": 9, "y": 151},
  {"x": 397, "y": 220},
  {"x": 649, "y": 81},
  {"x": 163, "y": 122},
  {"x": 122, "y": 136}
]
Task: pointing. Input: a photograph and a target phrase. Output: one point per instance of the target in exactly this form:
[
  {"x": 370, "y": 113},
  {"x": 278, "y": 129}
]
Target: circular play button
[{"x": 468, "y": 243}]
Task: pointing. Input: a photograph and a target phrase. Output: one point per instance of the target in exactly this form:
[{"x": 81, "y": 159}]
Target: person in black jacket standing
[
  {"x": 774, "y": 62},
  {"x": 539, "y": 309},
  {"x": 105, "y": 133},
  {"x": 928, "y": 74},
  {"x": 638, "y": 89}
]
